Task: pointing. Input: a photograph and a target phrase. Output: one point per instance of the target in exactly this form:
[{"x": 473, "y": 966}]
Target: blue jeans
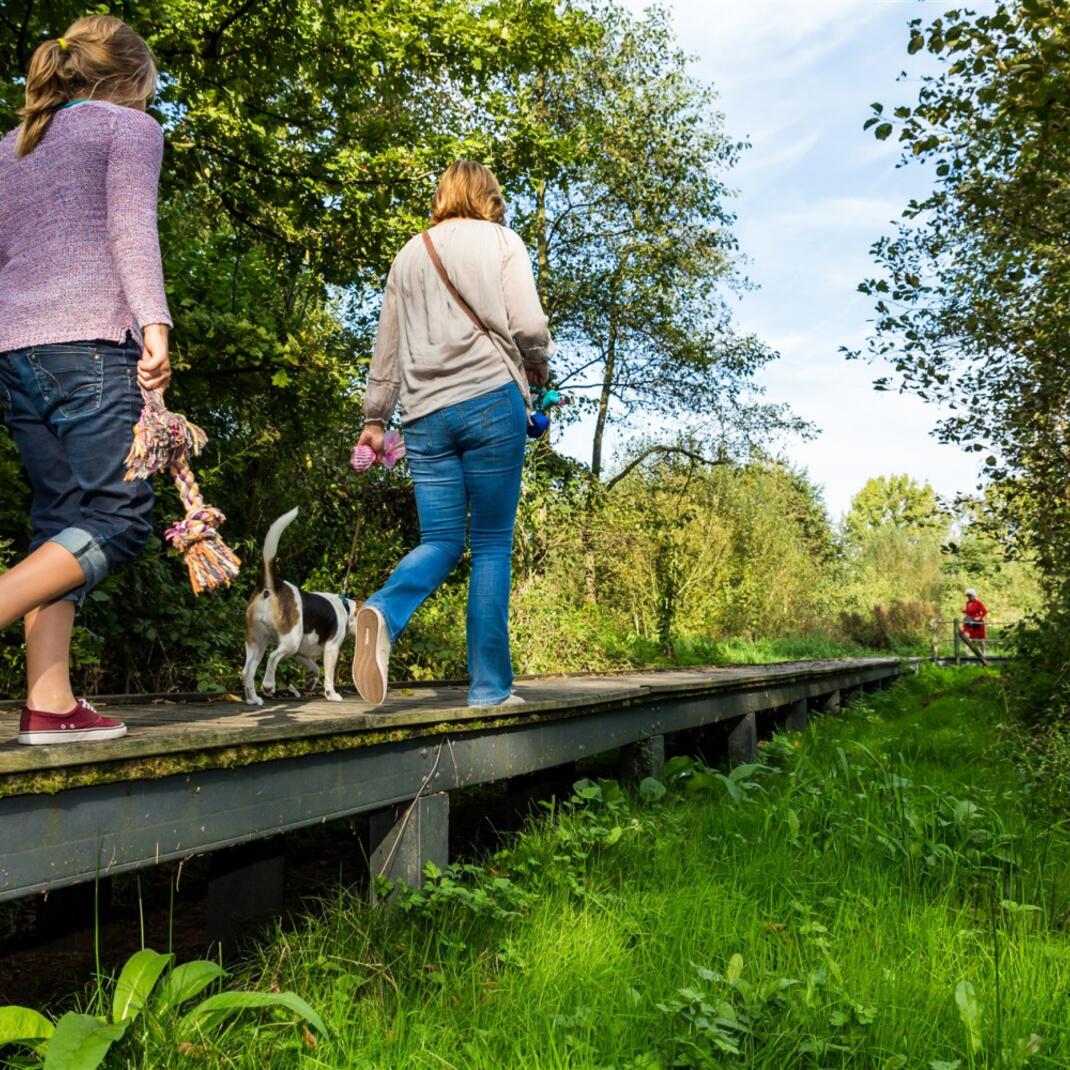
[
  {"x": 71, "y": 409},
  {"x": 465, "y": 461}
]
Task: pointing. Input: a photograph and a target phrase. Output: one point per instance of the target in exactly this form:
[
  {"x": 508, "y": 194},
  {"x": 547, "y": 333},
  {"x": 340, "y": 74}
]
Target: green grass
[
  {"x": 821, "y": 910},
  {"x": 699, "y": 650}
]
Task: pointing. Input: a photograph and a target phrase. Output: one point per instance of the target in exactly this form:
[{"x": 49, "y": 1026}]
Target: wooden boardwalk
[{"x": 194, "y": 776}]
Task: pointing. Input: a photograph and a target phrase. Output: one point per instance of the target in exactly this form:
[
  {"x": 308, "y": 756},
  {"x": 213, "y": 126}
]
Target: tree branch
[{"x": 696, "y": 458}]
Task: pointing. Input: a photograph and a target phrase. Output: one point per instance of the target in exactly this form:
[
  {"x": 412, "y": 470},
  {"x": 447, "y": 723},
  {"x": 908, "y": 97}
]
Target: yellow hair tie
[{"x": 63, "y": 43}]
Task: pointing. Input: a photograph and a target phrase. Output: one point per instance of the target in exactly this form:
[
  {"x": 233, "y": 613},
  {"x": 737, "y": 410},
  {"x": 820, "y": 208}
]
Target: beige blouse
[{"x": 428, "y": 353}]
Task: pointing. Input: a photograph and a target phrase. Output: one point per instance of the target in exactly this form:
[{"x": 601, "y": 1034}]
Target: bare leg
[
  {"x": 50, "y": 571},
  {"x": 48, "y": 649}
]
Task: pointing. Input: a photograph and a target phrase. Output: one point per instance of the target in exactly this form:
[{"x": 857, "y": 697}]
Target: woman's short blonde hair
[
  {"x": 468, "y": 190},
  {"x": 99, "y": 57}
]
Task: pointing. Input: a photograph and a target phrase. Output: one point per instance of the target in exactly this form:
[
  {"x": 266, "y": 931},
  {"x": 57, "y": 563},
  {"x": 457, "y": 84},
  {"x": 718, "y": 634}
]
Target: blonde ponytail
[{"x": 99, "y": 57}]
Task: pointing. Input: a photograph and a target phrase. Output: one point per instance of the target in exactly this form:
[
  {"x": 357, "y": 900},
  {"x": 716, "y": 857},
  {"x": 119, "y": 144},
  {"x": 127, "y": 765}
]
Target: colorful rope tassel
[{"x": 164, "y": 441}]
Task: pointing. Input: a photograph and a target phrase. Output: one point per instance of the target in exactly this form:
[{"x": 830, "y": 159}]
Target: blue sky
[{"x": 795, "y": 78}]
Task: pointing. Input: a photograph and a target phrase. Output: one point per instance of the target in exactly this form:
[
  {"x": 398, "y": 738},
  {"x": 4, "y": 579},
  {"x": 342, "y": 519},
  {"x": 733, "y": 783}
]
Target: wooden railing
[{"x": 949, "y": 643}]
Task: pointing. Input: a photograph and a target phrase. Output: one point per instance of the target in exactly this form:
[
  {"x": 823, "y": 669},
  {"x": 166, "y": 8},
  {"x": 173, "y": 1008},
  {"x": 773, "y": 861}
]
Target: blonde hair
[
  {"x": 468, "y": 190},
  {"x": 100, "y": 57}
]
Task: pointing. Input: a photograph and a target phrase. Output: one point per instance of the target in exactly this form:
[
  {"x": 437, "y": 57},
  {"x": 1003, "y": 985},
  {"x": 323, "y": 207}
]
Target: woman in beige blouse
[{"x": 456, "y": 354}]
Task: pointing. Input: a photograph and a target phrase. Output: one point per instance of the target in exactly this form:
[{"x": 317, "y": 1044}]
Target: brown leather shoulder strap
[{"x": 464, "y": 306}]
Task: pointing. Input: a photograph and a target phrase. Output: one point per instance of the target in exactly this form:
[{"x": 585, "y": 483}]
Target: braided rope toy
[{"x": 164, "y": 441}]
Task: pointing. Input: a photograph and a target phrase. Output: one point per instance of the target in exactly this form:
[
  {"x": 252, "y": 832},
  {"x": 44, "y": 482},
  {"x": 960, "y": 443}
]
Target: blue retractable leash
[{"x": 543, "y": 400}]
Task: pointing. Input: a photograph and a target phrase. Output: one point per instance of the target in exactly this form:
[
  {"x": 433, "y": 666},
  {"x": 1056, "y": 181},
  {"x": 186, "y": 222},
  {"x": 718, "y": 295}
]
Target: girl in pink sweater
[{"x": 83, "y": 324}]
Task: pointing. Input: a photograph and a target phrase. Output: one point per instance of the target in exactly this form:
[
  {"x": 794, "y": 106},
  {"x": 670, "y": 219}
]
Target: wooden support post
[
  {"x": 831, "y": 702},
  {"x": 406, "y": 836},
  {"x": 245, "y": 884},
  {"x": 642, "y": 759},
  {"x": 743, "y": 740},
  {"x": 798, "y": 715}
]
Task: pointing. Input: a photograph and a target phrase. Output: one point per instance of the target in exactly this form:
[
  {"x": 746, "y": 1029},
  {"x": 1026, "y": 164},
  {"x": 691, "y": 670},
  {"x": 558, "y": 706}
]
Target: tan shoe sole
[{"x": 369, "y": 664}]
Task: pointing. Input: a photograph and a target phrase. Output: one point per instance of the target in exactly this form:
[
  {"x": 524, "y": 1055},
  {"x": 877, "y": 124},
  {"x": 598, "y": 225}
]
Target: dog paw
[
  {"x": 268, "y": 689},
  {"x": 254, "y": 700},
  {"x": 334, "y": 697}
]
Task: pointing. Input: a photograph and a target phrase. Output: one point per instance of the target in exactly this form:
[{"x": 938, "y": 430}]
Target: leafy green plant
[
  {"x": 82, "y": 1041},
  {"x": 720, "y": 1012}
]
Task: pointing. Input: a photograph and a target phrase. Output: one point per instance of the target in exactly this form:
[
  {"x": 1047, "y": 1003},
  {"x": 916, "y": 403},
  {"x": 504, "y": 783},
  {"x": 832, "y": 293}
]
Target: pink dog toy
[{"x": 363, "y": 457}]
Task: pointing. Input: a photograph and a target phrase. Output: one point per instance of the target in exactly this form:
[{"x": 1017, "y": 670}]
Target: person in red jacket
[{"x": 973, "y": 627}]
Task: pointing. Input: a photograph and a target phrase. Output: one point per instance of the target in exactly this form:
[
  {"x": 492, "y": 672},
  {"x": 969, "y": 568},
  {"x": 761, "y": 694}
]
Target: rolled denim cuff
[{"x": 86, "y": 549}]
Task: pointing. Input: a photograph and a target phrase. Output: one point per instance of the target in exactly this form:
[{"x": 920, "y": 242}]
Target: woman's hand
[
  {"x": 154, "y": 367},
  {"x": 372, "y": 436},
  {"x": 538, "y": 374}
]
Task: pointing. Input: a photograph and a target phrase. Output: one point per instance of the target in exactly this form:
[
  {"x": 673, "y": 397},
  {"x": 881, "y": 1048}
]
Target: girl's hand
[
  {"x": 538, "y": 374},
  {"x": 154, "y": 367},
  {"x": 372, "y": 436}
]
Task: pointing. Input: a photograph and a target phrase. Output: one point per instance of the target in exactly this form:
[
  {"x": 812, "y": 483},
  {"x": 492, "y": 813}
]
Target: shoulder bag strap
[
  {"x": 454, "y": 293},
  {"x": 480, "y": 325}
]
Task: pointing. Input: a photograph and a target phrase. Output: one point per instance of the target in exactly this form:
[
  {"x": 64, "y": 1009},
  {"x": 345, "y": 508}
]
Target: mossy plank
[{"x": 168, "y": 738}]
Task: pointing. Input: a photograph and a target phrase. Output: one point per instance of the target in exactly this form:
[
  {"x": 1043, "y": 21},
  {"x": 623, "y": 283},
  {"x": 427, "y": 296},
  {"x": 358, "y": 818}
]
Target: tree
[
  {"x": 892, "y": 501},
  {"x": 973, "y": 295},
  {"x": 624, "y": 199},
  {"x": 303, "y": 143}
]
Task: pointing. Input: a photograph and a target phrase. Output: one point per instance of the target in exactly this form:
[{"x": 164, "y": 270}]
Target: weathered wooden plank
[
  {"x": 197, "y": 729},
  {"x": 160, "y": 730},
  {"x": 141, "y": 818}
]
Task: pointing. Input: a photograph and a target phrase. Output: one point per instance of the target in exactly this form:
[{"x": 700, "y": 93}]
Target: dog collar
[{"x": 345, "y": 602}]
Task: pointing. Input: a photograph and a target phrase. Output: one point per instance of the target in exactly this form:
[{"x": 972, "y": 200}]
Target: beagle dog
[{"x": 303, "y": 625}]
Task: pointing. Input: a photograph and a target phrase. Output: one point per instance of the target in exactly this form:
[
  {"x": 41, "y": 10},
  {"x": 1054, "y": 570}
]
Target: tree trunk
[
  {"x": 590, "y": 564},
  {"x": 603, "y": 400},
  {"x": 542, "y": 246}
]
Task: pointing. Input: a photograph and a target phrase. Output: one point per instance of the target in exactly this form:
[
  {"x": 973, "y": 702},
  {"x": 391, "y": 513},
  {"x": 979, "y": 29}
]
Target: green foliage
[
  {"x": 971, "y": 298},
  {"x": 82, "y": 1041},
  {"x": 303, "y": 144},
  {"x": 892, "y": 501}
]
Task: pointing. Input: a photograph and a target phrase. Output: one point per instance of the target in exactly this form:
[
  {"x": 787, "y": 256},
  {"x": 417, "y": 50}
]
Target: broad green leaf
[
  {"x": 734, "y": 790},
  {"x": 677, "y": 765},
  {"x": 22, "y": 1025},
  {"x": 735, "y": 968},
  {"x": 215, "y": 1009},
  {"x": 699, "y": 781},
  {"x": 137, "y": 980},
  {"x": 970, "y": 1013},
  {"x": 184, "y": 982},
  {"x": 883, "y": 131},
  {"x": 651, "y": 789},
  {"x": 81, "y": 1042},
  {"x": 745, "y": 770}
]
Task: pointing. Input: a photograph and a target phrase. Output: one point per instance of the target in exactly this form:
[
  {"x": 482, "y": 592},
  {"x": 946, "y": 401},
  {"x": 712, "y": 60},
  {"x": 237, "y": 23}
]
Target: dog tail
[{"x": 271, "y": 548}]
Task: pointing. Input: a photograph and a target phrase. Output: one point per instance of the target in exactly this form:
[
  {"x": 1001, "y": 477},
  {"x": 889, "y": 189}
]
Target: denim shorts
[{"x": 71, "y": 409}]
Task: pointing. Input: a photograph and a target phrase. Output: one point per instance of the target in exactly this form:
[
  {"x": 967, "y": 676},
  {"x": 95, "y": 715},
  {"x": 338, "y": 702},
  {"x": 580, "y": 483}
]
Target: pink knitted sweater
[{"x": 79, "y": 252}]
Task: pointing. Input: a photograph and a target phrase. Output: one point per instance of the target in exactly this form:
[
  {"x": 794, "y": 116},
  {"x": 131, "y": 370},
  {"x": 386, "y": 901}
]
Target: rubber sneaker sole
[
  {"x": 371, "y": 656},
  {"x": 71, "y": 735}
]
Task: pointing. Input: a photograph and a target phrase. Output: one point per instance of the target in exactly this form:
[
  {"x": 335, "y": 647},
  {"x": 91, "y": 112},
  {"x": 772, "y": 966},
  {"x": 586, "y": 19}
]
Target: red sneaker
[{"x": 82, "y": 725}]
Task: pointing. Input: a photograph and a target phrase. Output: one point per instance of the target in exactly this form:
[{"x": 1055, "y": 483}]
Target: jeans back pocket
[{"x": 69, "y": 377}]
